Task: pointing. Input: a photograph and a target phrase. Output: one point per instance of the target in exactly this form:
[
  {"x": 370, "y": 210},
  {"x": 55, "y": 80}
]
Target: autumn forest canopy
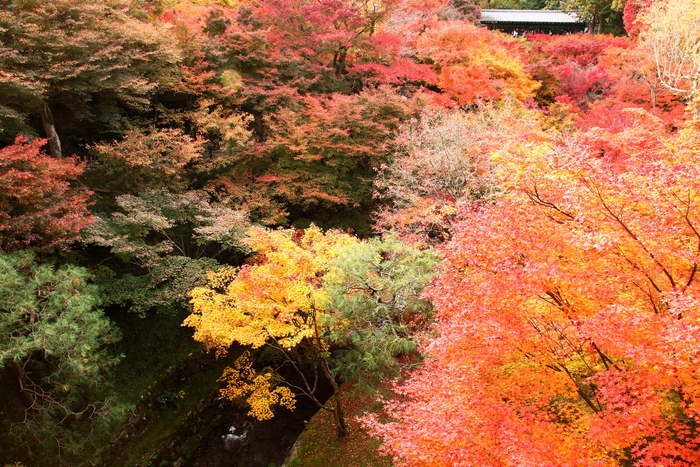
[{"x": 495, "y": 236}]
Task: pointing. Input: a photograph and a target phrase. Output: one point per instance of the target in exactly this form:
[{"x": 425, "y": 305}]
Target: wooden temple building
[{"x": 519, "y": 22}]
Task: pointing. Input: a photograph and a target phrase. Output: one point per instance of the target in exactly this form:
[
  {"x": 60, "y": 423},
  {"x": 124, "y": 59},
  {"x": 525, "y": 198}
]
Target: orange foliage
[
  {"x": 473, "y": 63},
  {"x": 568, "y": 312}
]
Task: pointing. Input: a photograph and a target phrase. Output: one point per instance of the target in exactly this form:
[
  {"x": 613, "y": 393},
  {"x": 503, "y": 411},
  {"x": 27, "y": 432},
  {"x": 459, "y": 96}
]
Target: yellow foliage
[
  {"x": 279, "y": 299},
  {"x": 262, "y": 393}
]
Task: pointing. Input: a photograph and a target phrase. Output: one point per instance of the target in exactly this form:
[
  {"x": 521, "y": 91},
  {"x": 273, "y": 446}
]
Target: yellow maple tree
[{"x": 278, "y": 301}]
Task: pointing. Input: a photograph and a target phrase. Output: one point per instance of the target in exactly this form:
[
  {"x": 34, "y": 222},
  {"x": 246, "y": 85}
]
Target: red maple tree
[{"x": 39, "y": 208}]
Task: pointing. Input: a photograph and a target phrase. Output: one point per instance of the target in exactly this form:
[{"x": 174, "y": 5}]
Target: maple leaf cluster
[
  {"x": 305, "y": 293},
  {"x": 39, "y": 208}
]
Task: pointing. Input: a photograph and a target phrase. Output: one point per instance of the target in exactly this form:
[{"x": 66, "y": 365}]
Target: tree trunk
[
  {"x": 339, "y": 417},
  {"x": 259, "y": 126},
  {"x": 25, "y": 396},
  {"x": 50, "y": 130},
  {"x": 341, "y": 63}
]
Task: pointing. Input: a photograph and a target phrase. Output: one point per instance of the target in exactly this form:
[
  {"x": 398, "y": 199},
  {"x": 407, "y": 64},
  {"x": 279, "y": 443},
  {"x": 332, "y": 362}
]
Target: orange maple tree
[
  {"x": 473, "y": 63},
  {"x": 567, "y": 312}
]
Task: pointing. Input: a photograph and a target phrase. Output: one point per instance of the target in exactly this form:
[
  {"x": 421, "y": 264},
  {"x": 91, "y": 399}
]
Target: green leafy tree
[
  {"x": 171, "y": 240},
  {"x": 52, "y": 344},
  {"x": 602, "y": 15},
  {"x": 375, "y": 289},
  {"x": 517, "y": 4}
]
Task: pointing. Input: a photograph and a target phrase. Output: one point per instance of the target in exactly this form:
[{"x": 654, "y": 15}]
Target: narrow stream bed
[
  {"x": 195, "y": 428},
  {"x": 241, "y": 441}
]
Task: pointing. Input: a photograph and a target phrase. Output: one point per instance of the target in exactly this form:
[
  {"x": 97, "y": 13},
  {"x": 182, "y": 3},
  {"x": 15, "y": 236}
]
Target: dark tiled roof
[{"x": 529, "y": 16}]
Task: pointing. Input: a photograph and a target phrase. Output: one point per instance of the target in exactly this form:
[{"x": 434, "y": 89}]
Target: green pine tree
[{"x": 52, "y": 344}]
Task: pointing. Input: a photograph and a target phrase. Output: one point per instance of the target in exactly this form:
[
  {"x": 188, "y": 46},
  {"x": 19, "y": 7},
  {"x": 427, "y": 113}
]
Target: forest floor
[{"x": 318, "y": 445}]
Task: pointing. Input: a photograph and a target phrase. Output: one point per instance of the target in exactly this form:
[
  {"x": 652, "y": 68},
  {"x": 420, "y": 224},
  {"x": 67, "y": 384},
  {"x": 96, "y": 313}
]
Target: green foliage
[
  {"x": 375, "y": 291},
  {"x": 270, "y": 357},
  {"x": 158, "y": 223},
  {"x": 172, "y": 239},
  {"x": 53, "y": 344},
  {"x": 163, "y": 288},
  {"x": 169, "y": 399},
  {"x": 517, "y": 4},
  {"x": 604, "y": 16}
]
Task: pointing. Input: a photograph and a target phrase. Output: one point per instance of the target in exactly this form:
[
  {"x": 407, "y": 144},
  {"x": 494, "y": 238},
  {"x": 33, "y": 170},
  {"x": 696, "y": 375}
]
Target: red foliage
[
  {"x": 596, "y": 76},
  {"x": 39, "y": 209},
  {"x": 631, "y": 13},
  {"x": 283, "y": 48},
  {"x": 583, "y": 49},
  {"x": 570, "y": 66}
]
